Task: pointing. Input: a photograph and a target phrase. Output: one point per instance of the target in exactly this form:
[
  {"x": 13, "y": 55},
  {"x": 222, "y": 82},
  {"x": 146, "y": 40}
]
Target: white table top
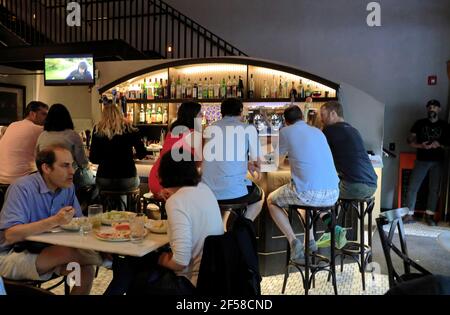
[
  {"x": 74, "y": 239},
  {"x": 444, "y": 240}
]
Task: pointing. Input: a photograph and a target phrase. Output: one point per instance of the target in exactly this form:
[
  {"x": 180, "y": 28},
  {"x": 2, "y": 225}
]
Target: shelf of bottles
[{"x": 152, "y": 98}]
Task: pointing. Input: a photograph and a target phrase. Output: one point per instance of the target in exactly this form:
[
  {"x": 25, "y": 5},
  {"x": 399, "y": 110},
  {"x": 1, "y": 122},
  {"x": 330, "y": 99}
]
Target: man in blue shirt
[
  {"x": 230, "y": 150},
  {"x": 314, "y": 180},
  {"x": 357, "y": 176},
  {"x": 38, "y": 203}
]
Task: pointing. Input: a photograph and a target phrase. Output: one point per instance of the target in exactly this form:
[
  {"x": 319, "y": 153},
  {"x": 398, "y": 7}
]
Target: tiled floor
[{"x": 348, "y": 282}]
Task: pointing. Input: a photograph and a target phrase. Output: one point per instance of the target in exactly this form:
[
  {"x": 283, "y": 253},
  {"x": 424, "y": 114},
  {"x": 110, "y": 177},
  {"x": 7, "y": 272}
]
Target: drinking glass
[
  {"x": 137, "y": 228},
  {"x": 95, "y": 215},
  {"x": 85, "y": 226}
]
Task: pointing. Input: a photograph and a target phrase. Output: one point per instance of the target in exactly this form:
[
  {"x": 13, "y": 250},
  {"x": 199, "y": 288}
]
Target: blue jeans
[{"x": 421, "y": 169}]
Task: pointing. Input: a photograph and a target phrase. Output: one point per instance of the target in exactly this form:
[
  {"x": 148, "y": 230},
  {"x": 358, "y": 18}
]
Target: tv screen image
[{"x": 69, "y": 69}]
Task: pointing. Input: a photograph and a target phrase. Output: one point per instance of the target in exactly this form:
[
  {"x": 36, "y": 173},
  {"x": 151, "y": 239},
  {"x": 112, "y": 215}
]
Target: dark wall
[{"x": 332, "y": 39}]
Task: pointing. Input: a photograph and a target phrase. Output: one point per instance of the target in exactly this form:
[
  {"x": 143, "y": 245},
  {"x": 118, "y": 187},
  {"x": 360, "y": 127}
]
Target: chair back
[{"x": 393, "y": 219}]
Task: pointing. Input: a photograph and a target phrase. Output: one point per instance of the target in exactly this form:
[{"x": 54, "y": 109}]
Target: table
[
  {"x": 444, "y": 240},
  {"x": 75, "y": 240}
]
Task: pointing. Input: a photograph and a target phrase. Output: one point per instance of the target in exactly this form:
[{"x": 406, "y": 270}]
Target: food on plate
[
  {"x": 157, "y": 226},
  {"x": 116, "y": 216},
  {"x": 118, "y": 231},
  {"x": 73, "y": 225}
]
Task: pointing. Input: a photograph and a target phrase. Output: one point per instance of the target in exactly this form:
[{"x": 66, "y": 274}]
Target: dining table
[{"x": 444, "y": 240}]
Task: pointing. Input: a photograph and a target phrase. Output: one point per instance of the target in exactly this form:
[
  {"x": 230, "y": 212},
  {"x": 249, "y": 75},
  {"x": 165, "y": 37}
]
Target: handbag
[{"x": 83, "y": 177}]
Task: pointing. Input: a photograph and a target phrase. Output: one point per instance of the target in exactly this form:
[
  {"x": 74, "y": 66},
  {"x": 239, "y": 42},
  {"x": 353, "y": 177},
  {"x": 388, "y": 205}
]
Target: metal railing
[{"x": 151, "y": 26}]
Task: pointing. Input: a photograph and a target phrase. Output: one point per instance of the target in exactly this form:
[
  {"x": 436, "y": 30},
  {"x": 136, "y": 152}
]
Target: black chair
[
  {"x": 360, "y": 252},
  {"x": 149, "y": 198},
  {"x": 393, "y": 219},
  {"x": 318, "y": 262},
  {"x": 235, "y": 210},
  {"x": 112, "y": 199},
  {"x": 15, "y": 288}
]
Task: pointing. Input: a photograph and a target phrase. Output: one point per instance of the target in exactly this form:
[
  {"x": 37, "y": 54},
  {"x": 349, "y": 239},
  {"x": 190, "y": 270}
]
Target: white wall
[{"x": 331, "y": 39}]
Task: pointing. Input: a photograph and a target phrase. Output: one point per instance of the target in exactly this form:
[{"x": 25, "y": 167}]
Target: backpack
[{"x": 229, "y": 264}]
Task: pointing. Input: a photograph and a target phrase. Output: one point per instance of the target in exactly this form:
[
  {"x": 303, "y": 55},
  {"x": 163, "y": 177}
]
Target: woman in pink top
[{"x": 182, "y": 127}]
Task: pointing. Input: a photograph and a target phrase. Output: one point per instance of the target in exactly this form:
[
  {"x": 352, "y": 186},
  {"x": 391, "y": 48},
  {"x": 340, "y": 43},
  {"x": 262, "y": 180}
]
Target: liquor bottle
[
  {"x": 159, "y": 116},
  {"x": 293, "y": 92},
  {"x": 150, "y": 88},
  {"x": 166, "y": 89},
  {"x": 156, "y": 90},
  {"x": 161, "y": 89},
  {"x": 211, "y": 88},
  {"x": 153, "y": 117},
  {"x": 274, "y": 89},
  {"x": 148, "y": 115},
  {"x": 229, "y": 88},
  {"x": 223, "y": 89},
  {"x": 142, "y": 115},
  {"x": 234, "y": 86},
  {"x": 217, "y": 90},
  {"x": 204, "y": 119},
  {"x": 164, "y": 117},
  {"x": 144, "y": 90},
  {"x": 183, "y": 88},
  {"x": 300, "y": 90},
  {"x": 195, "y": 90},
  {"x": 173, "y": 89},
  {"x": 308, "y": 91},
  {"x": 178, "y": 89},
  {"x": 200, "y": 89},
  {"x": 265, "y": 90},
  {"x": 251, "y": 87},
  {"x": 205, "y": 89},
  {"x": 280, "y": 89},
  {"x": 285, "y": 89},
  {"x": 240, "y": 88},
  {"x": 130, "y": 114},
  {"x": 189, "y": 89}
]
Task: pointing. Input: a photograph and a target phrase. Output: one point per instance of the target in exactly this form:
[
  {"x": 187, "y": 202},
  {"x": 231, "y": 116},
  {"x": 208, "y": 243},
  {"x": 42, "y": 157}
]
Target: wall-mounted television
[{"x": 76, "y": 69}]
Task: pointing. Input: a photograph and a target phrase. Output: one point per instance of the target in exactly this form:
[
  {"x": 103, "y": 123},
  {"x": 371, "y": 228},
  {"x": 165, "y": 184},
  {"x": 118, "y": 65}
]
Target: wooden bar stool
[{"x": 318, "y": 262}]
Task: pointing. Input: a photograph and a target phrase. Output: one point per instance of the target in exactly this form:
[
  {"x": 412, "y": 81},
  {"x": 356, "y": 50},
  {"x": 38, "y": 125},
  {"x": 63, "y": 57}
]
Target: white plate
[
  {"x": 116, "y": 239},
  {"x": 115, "y": 216},
  {"x": 73, "y": 226},
  {"x": 157, "y": 226}
]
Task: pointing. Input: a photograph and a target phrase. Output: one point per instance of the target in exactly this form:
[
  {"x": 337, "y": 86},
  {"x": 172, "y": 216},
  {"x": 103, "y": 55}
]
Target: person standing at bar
[
  {"x": 17, "y": 146},
  {"x": 428, "y": 136}
]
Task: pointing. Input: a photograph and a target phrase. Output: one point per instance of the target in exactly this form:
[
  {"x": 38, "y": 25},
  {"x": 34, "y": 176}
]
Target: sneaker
[
  {"x": 429, "y": 219},
  {"x": 297, "y": 252},
  {"x": 313, "y": 246},
  {"x": 341, "y": 238},
  {"x": 407, "y": 219}
]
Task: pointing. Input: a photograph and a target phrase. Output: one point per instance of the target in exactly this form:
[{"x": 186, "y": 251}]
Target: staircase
[{"x": 152, "y": 27}]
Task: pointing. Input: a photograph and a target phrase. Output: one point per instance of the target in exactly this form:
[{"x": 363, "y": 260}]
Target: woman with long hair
[
  {"x": 180, "y": 129},
  {"x": 113, "y": 141},
  {"x": 59, "y": 129}
]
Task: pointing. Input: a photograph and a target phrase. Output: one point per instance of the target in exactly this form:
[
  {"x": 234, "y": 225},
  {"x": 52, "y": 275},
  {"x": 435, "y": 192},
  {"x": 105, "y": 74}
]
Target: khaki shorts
[{"x": 20, "y": 266}]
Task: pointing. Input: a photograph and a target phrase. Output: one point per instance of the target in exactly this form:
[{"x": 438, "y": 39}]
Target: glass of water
[
  {"x": 85, "y": 226},
  {"x": 137, "y": 227}
]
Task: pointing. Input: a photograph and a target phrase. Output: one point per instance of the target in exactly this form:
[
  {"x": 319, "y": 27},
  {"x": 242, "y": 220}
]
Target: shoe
[
  {"x": 297, "y": 252},
  {"x": 341, "y": 238},
  {"x": 429, "y": 219},
  {"x": 407, "y": 219},
  {"x": 313, "y": 246}
]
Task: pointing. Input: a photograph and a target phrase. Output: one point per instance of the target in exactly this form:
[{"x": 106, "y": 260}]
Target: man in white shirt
[{"x": 17, "y": 146}]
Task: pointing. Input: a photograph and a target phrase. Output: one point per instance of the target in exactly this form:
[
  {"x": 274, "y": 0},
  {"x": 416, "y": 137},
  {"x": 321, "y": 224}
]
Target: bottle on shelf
[
  {"x": 274, "y": 88},
  {"x": 148, "y": 114},
  {"x": 130, "y": 113},
  {"x": 164, "y": 117},
  {"x": 223, "y": 89},
  {"x": 293, "y": 92},
  {"x": 183, "y": 88},
  {"x": 153, "y": 116},
  {"x": 265, "y": 90},
  {"x": 162, "y": 88},
  {"x": 178, "y": 89},
  {"x": 251, "y": 87},
  {"x": 142, "y": 115},
  {"x": 285, "y": 89},
  {"x": 234, "y": 86},
  {"x": 156, "y": 89},
  {"x": 300, "y": 90},
  {"x": 308, "y": 91},
  {"x": 195, "y": 90},
  {"x": 166, "y": 90},
  {"x": 280, "y": 89},
  {"x": 189, "y": 89},
  {"x": 150, "y": 88},
  {"x": 173, "y": 87},
  {"x": 159, "y": 115},
  {"x": 240, "y": 88},
  {"x": 200, "y": 89},
  {"x": 211, "y": 88},
  {"x": 229, "y": 87},
  {"x": 217, "y": 90},
  {"x": 144, "y": 90},
  {"x": 205, "y": 89}
]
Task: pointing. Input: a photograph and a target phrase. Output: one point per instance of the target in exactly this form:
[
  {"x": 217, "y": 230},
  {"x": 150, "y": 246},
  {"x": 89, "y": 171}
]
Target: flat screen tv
[{"x": 69, "y": 69}]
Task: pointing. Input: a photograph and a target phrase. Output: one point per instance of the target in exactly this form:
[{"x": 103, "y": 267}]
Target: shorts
[
  {"x": 287, "y": 195},
  {"x": 254, "y": 195},
  {"x": 21, "y": 266}
]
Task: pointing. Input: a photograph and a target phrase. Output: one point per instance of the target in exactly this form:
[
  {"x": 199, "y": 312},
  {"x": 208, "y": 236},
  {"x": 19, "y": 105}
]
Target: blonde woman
[{"x": 112, "y": 146}]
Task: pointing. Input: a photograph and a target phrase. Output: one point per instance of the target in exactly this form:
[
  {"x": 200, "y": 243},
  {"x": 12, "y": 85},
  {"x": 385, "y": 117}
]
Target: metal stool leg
[{"x": 361, "y": 244}]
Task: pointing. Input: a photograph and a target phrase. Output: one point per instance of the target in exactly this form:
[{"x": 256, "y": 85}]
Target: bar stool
[
  {"x": 323, "y": 263},
  {"x": 235, "y": 209},
  {"x": 360, "y": 252},
  {"x": 111, "y": 199},
  {"x": 148, "y": 199}
]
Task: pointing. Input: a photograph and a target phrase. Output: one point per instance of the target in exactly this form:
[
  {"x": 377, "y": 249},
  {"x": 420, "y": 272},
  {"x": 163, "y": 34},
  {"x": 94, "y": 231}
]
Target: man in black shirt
[
  {"x": 81, "y": 73},
  {"x": 428, "y": 136},
  {"x": 357, "y": 176}
]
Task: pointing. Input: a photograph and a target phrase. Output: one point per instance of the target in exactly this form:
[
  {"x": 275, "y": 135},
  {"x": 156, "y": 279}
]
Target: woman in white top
[{"x": 192, "y": 214}]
